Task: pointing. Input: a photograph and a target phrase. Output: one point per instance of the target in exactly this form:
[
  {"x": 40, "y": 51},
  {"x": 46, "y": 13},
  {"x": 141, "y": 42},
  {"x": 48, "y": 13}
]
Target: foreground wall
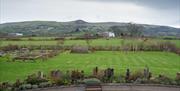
[{"x": 115, "y": 87}]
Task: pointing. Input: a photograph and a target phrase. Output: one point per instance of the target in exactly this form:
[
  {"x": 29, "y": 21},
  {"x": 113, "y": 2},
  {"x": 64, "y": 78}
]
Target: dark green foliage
[
  {"x": 127, "y": 75},
  {"x": 77, "y": 75},
  {"x": 135, "y": 30},
  {"x": 119, "y": 31},
  {"x": 129, "y": 30},
  {"x": 95, "y": 71},
  {"x": 108, "y": 75}
]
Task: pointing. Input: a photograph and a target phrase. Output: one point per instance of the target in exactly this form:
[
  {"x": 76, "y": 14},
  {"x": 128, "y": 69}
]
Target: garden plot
[{"x": 25, "y": 54}]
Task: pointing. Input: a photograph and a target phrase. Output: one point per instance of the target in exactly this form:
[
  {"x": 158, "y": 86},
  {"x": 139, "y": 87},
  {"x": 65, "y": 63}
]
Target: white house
[
  {"x": 108, "y": 34},
  {"x": 15, "y": 34},
  {"x": 111, "y": 34}
]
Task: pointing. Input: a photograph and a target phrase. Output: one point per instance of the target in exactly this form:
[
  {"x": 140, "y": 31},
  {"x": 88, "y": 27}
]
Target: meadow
[{"x": 158, "y": 62}]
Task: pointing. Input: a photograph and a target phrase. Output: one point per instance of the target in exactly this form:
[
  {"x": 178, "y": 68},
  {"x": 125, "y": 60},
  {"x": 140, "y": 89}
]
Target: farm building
[
  {"x": 15, "y": 34},
  {"x": 106, "y": 34}
]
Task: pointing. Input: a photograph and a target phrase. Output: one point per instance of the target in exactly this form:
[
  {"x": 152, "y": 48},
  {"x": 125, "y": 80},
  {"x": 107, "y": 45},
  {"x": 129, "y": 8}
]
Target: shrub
[
  {"x": 76, "y": 75},
  {"x": 14, "y": 39},
  {"x": 147, "y": 74},
  {"x": 109, "y": 73},
  {"x": 79, "y": 49},
  {"x": 59, "y": 82},
  {"x": 56, "y": 77},
  {"x": 162, "y": 80},
  {"x": 33, "y": 79},
  {"x": 17, "y": 83},
  {"x": 10, "y": 47},
  {"x": 178, "y": 78},
  {"x": 95, "y": 71},
  {"x": 127, "y": 75},
  {"x": 120, "y": 79},
  {"x": 136, "y": 75},
  {"x": 4, "y": 86}
]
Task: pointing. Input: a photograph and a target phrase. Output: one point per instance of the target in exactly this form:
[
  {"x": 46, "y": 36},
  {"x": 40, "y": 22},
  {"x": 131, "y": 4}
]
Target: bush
[
  {"x": 178, "y": 78},
  {"x": 5, "y": 86},
  {"x": 79, "y": 49},
  {"x": 14, "y": 39},
  {"x": 33, "y": 79},
  {"x": 17, "y": 83},
  {"x": 136, "y": 75},
  {"x": 10, "y": 48},
  {"x": 163, "y": 80},
  {"x": 120, "y": 79},
  {"x": 177, "y": 82},
  {"x": 76, "y": 75},
  {"x": 59, "y": 82}
]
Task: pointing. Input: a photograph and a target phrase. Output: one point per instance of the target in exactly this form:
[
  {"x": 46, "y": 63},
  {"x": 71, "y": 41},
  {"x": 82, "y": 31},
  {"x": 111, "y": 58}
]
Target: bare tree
[
  {"x": 135, "y": 30},
  {"x": 87, "y": 37},
  {"x": 60, "y": 40}
]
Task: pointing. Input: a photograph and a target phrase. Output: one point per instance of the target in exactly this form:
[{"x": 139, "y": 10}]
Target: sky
[{"x": 157, "y": 12}]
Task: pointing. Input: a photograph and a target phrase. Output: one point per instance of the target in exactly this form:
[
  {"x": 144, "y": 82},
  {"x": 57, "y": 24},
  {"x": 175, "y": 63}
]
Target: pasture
[{"x": 158, "y": 62}]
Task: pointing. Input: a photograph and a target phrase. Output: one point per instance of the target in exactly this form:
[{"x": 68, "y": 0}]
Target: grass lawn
[{"x": 158, "y": 62}]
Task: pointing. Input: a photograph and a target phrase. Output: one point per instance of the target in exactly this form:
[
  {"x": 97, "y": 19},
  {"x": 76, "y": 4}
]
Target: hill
[{"x": 52, "y": 28}]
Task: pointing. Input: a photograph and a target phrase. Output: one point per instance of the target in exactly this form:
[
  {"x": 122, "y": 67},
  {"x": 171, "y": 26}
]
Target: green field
[
  {"x": 158, "y": 62},
  {"x": 95, "y": 42}
]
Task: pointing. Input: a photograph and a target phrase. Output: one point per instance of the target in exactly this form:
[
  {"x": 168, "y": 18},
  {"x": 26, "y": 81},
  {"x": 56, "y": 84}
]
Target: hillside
[{"x": 52, "y": 28}]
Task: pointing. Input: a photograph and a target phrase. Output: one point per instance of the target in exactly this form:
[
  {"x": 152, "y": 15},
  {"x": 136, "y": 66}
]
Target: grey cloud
[
  {"x": 158, "y": 4},
  {"x": 161, "y": 12}
]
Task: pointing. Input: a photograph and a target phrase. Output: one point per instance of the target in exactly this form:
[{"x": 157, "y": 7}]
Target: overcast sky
[{"x": 159, "y": 12}]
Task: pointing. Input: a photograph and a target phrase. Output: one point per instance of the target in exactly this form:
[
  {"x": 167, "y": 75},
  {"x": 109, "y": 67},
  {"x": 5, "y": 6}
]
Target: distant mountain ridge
[{"x": 50, "y": 28}]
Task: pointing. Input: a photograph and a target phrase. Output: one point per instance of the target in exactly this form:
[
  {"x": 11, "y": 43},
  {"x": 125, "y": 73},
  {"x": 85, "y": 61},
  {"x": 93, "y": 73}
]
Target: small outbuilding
[{"x": 106, "y": 34}]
